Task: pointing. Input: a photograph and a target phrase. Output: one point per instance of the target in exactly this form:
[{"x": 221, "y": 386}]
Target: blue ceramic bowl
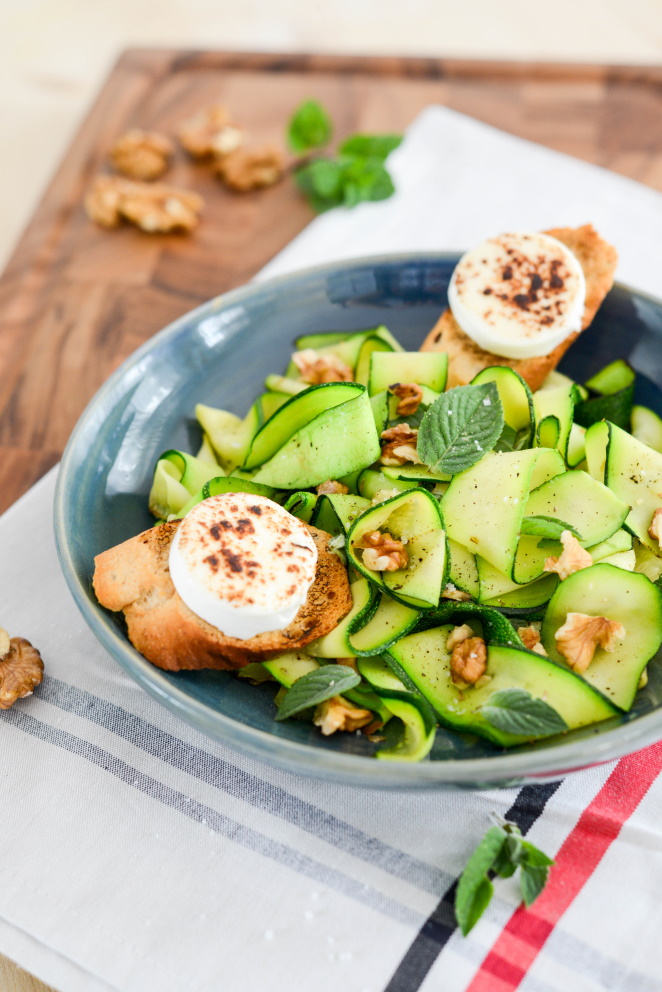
[{"x": 219, "y": 355}]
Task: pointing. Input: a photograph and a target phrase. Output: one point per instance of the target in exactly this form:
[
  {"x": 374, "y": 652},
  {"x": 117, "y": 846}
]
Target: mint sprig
[
  {"x": 316, "y": 687},
  {"x": 516, "y": 711},
  {"x": 310, "y": 127},
  {"x": 460, "y": 427},
  {"x": 549, "y": 527},
  {"x": 354, "y": 175},
  {"x": 500, "y": 853}
]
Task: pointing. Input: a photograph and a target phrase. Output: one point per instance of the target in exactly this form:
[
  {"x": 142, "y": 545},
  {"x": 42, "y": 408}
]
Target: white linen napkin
[{"x": 136, "y": 855}]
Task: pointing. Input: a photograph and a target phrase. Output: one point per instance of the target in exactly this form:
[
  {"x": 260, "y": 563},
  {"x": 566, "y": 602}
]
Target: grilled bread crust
[
  {"x": 466, "y": 359},
  {"x": 134, "y": 577}
]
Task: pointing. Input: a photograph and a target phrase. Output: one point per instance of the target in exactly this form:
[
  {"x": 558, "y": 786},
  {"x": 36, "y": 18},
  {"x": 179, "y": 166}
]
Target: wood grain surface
[{"x": 76, "y": 300}]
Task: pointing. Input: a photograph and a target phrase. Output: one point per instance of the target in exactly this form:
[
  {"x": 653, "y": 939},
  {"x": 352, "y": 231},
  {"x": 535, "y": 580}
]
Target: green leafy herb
[
  {"x": 549, "y": 527},
  {"x": 376, "y": 146},
  {"x": 516, "y": 711},
  {"x": 474, "y": 890},
  {"x": 310, "y": 127},
  {"x": 460, "y": 427},
  {"x": 315, "y": 687},
  {"x": 512, "y": 440},
  {"x": 501, "y": 852},
  {"x": 329, "y": 183},
  {"x": 355, "y": 174}
]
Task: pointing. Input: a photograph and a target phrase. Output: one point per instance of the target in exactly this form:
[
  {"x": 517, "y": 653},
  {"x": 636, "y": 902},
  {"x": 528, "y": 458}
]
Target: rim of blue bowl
[{"x": 509, "y": 768}]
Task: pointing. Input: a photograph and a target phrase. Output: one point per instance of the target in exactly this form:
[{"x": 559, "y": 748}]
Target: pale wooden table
[{"x": 76, "y": 300}]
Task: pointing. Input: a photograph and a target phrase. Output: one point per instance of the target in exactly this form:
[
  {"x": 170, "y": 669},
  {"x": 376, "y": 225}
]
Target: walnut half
[
  {"x": 400, "y": 445},
  {"x": 210, "y": 132},
  {"x": 337, "y": 714},
  {"x": 383, "y": 552},
  {"x": 247, "y": 169},
  {"x": 21, "y": 669},
  {"x": 469, "y": 661},
  {"x": 141, "y": 154},
  {"x": 409, "y": 395},
  {"x": 572, "y": 559},
  {"x": 332, "y": 487},
  {"x": 153, "y": 207},
  {"x": 581, "y": 634},
  {"x": 315, "y": 368}
]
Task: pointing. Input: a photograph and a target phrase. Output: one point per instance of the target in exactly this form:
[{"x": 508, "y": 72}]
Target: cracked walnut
[
  {"x": 21, "y": 669},
  {"x": 383, "y": 552},
  {"x": 141, "y": 154}
]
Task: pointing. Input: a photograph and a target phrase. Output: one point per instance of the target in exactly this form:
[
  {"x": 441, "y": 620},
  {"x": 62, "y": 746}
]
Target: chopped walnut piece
[
  {"x": 581, "y": 634},
  {"x": 154, "y": 207},
  {"x": 315, "y": 368},
  {"x": 330, "y": 487},
  {"x": 347, "y": 662},
  {"x": 383, "y": 494},
  {"x": 452, "y": 592},
  {"x": 141, "y": 154},
  {"x": 251, "y": 168},
  {"x": 655, "y": 529},
  {"x": 530, "y": 637},
  {"x": 21, "y": 669},
  {"x": 383, "y": 552},
  {"x": 400, "y": 446},
  {"x": 337, "y": 714},
  {"x": 102, "y": 201},
  {"x": 410, "y": 395},
  {"x": 572, "y": 559},
  {"x": 457, "y": 635},
  {"x": 469, "y": 661},
  {"x": 210, "y": 132}
]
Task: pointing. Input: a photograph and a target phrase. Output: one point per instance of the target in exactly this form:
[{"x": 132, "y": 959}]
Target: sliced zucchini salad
[{"x": 503, "y": 547}]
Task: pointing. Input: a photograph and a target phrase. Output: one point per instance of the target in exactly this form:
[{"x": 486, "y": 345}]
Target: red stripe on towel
[{"x": 523, "y": 937}]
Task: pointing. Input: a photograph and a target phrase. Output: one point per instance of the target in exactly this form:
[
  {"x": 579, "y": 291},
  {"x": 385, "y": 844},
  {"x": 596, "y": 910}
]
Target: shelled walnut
[
  {"x": 409, "y": 395},
  {"x": 383, "y": 552},
  {"x": 572, "y": 559},
  {"x": 142, "y": 154},
  {"x": 315, "y": 368},
  {"x": 400, "y": 446},
  {"x": 153, "y": 207},
  {"x": 21, "y": 669},
  {"x": 581, "y": 634},
  {"x": 210, "y": 132},
  {"x": 337, "y": 714},
  {"x": 247, "y": 169},
  {"x": 469, "y": 661}
]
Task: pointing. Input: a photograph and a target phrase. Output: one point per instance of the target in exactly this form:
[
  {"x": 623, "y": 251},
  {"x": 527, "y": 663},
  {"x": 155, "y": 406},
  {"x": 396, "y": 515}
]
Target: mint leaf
[
  {"x": 501, "y": 852},
  {"x": 460, "y": 427},
  {"x": 535, "y": 867},
  {"x": 364, "y": 179},
  {"x": 315, "y": 687},
  {"x": 474, "y": 889},
  {"x": 309, "y": 127},
  {"x": 512, "y": 440},
  {"x": 376, "y": 146},
  {"x": 516, "y": 711},
  {"x": 321, "y": 183},
  {"x": 549, "y": 527}
]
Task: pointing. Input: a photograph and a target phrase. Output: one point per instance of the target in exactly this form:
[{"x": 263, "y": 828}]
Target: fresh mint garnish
[
  {"x": 500, "y": 853},
  {"x": 516, "y": 711},
  {"x": 355, "y": 174},
  {"x": 460, "y": 427},
  {"x": 512, "y": 440},
  {"x": 310, "y": 127},
  {"x": 316, "y": 687},
  {"x": 375, "y": 146},
  {"x": 549, "y": 527}
]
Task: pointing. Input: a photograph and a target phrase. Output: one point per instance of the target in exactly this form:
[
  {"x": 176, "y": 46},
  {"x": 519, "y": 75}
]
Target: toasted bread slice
[
  {"x": 465, "y": 358},
  {"x": 134, "y": 577}
]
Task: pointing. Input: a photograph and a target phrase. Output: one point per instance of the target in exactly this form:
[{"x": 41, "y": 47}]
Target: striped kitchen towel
[{"x": 137, "y": 855}]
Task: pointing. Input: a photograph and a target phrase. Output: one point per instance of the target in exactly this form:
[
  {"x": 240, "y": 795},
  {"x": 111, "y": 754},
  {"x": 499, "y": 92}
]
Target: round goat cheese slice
[
  {"x": 243, "y": 564},
  {"x": 518, "y": 295}
]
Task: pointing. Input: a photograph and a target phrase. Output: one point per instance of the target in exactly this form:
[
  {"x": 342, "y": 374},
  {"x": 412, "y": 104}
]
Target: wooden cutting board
[{"x": 76, "y": 300}]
